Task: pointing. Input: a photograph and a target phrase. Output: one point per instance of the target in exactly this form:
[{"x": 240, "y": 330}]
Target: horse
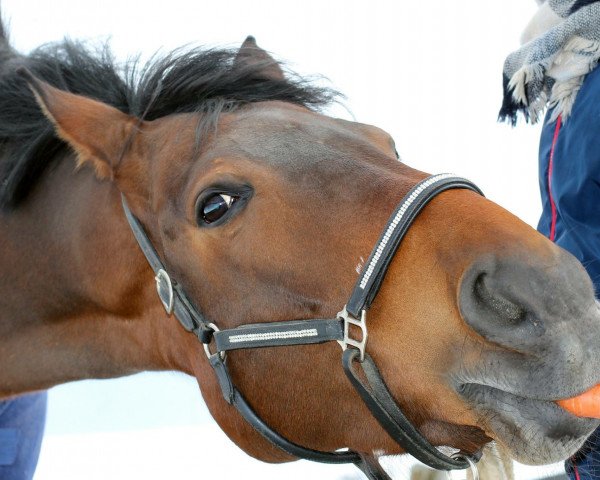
[{"x": 221, "y": 166}]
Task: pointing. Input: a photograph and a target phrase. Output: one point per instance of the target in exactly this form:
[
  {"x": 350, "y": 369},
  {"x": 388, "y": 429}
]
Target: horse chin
[{"x": 533, "y": 431}]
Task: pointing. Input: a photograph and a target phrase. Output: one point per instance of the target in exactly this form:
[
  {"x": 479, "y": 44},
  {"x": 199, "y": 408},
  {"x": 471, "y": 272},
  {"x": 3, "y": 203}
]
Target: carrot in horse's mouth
[{"x": 585, "y": 405}]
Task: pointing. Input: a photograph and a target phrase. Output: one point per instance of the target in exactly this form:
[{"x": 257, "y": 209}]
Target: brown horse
[{"x": 263, "y": 209}]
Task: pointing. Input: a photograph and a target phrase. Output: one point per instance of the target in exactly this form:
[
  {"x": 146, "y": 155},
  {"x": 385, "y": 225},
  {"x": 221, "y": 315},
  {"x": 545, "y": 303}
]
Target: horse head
[{"x": 265, "y": 210}]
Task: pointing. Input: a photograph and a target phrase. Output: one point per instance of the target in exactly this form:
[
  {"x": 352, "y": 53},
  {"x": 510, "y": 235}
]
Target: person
[
  {"x": 22, "y": 421},
  {"x": 556, "y": 69}
]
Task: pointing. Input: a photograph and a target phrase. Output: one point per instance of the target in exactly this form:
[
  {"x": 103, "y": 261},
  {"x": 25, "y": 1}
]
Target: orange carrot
[{"x": 585, "y": 405}]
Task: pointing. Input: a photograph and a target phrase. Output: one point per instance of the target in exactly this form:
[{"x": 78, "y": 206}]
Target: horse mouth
[{"x": 535, "y": 431}]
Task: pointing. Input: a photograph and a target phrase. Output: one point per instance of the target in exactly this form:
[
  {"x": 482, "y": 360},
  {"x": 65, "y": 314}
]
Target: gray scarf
[{"x": 562, "y": 45}]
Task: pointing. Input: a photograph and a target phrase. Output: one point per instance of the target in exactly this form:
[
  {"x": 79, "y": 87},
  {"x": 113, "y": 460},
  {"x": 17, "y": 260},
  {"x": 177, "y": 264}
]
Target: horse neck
[{"x": 75, "y": 291}]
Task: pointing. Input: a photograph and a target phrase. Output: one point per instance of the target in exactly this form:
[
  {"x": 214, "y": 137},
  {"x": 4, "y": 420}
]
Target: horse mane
[{"x": 207, "y": 81}]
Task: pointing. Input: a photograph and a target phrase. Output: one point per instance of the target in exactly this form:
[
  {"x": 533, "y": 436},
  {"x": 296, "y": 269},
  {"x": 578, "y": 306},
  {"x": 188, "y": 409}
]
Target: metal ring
[
  {"x": 472, "y": 464},
  {"x": 207, "y": 348}
]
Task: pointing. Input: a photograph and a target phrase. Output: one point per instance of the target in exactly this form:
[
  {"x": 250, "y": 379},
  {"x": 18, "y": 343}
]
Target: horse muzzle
[{"x": 536, "y": 314}]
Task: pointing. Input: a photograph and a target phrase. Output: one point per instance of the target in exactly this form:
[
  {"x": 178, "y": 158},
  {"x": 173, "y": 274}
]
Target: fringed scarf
[{"x": 562, "y": 47}]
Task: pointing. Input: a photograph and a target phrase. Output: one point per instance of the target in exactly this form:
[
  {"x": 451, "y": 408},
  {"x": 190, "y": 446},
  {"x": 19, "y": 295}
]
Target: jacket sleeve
[{"x": 575, "y": 178}]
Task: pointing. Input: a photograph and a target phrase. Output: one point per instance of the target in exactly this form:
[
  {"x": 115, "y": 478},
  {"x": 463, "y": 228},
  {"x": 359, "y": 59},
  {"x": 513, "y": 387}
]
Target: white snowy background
[{"x": 428, "y": 72}]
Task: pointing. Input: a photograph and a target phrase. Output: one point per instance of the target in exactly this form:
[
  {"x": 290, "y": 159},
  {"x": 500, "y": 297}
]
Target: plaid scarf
[{"x": 549, "y": 68}]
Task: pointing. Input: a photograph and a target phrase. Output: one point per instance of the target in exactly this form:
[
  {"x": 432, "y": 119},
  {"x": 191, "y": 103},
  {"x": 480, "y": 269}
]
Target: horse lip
[
  {"x": 535, "y": 375},
  {"x": 522, "y": 394},
  {"x": 534, "y": 430},
  {"x": 549, "y": 403},
  {"x": 464, "y": 386}
]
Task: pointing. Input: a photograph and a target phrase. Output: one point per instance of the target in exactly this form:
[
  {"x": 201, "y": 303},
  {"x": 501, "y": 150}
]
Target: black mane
[{"x": 196, "y": 80}]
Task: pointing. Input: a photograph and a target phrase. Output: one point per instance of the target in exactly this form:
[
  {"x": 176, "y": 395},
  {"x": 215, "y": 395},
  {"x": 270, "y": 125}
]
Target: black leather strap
[
  {"x": 370, "y": 280},
  {"x": 240, "y": 403},
  {"x": 368, "y": 464},
  {"x": 286, "y": 445},
  {"x": 143, "y": 241},
  {"x": 187, "y": 314},
  {"x": 382, "y": 405},
  {"x": 371, "y": 467},
  {"x": 279, "y": 334},
  {"x": 227, "y": 389}
]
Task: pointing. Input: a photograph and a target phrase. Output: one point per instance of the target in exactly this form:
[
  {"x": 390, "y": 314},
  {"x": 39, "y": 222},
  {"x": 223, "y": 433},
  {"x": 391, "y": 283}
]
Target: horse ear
[
  {"x": 251, "y": 54},
  {"x": 97, "y": 132}
]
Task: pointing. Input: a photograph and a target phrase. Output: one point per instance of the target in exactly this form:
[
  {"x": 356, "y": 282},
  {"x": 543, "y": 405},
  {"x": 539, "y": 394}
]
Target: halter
[{"x": 355, "y": 359}]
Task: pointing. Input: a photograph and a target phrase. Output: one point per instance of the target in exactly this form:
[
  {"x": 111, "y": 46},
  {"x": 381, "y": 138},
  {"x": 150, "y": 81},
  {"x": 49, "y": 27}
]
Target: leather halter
[{"x": 373, "y": 391}]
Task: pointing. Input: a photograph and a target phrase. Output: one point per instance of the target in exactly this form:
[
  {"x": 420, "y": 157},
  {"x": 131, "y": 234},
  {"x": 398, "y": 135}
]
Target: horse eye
[{"x": 215, "y": 207}]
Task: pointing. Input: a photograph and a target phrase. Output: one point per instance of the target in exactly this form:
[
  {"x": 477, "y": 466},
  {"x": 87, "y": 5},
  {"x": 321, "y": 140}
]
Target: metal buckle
[
  {"x": 362, "y": 324},
  {"x": 223, "y": 355},
  {"x": 164, "y": 287},
  {"x": 472, "y": 466}
]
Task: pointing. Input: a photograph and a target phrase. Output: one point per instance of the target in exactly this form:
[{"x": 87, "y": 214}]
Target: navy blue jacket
[
  {"x": 569, "y": 164},
  {"x": 570, "y": 188}
]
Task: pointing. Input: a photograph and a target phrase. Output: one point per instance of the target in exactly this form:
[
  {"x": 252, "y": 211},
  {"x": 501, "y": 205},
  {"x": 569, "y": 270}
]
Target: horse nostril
[
  {"x": 493, "y": 305},
  {"x": 531, "y": 305},
  {"x": 501, "y": 306}
]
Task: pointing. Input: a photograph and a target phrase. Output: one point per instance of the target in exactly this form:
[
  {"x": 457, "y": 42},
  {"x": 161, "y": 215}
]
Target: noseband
[{"x": 352, "y": 318}]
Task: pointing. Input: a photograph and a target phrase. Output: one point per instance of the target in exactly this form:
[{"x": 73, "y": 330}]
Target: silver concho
[{"x": 164, "y": 287}]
